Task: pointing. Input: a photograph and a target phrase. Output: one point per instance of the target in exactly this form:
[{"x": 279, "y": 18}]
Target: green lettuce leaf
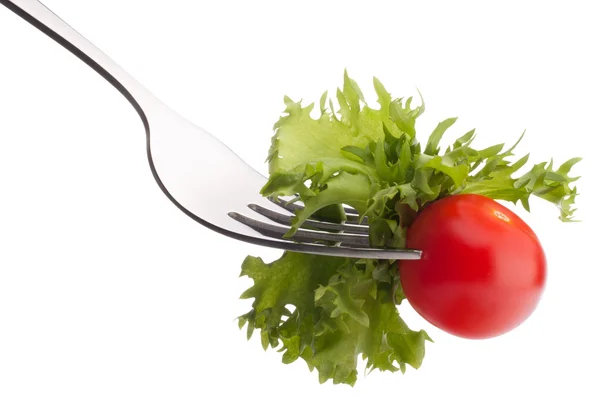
[
  {"x": 343, "y": 309},
  {"x": 300, "y": 139},
  {"x": 373, "y": 161}
]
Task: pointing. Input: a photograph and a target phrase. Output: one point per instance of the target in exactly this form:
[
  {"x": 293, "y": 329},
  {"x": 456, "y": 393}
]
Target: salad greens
[{"x": 328, "y": 311}]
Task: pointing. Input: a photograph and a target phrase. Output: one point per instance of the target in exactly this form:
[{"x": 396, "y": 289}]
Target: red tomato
[{"x": 483, "y": 269}]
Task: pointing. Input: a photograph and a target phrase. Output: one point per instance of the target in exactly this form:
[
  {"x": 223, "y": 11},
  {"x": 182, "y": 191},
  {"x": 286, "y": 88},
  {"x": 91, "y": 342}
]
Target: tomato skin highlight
[{"x": 483, "y": 269}]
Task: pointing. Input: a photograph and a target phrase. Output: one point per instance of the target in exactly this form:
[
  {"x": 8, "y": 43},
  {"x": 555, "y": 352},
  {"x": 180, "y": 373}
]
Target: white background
[{"x": 107, "y": 291}]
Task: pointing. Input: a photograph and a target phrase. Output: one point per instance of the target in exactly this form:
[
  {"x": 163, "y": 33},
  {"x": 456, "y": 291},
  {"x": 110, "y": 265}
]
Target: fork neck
[{"x": 49, "y": 23}]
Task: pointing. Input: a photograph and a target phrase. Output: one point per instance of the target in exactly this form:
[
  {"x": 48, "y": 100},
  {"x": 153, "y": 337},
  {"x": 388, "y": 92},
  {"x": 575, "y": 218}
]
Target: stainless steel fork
[{"x": 182, "y": 157}]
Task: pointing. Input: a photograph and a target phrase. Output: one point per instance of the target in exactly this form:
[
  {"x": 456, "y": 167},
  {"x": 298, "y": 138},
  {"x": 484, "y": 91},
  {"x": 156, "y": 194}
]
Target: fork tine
[
  {"x": 351, "y": 214},
  {"x": 287, "y": 220},
  {"x": 302, "y": 235},
  {"x": 355, "y": 219},
  {"x": 350, "y": 211}
]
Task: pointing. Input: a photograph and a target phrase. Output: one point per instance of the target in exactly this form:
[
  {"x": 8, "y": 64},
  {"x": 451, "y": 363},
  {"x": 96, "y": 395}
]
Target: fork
[{"x": 180, "y": 154}]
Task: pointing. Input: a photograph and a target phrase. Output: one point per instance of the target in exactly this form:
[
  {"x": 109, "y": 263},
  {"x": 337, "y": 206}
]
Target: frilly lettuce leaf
[
  {"x": 300, "y": 139},
  {"x": 360, "y": 156},
  {"x": 330, "y": 311}
]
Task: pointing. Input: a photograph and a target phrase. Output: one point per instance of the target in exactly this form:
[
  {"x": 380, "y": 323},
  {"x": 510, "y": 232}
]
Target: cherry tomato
[{"x": 483, "y": 269}]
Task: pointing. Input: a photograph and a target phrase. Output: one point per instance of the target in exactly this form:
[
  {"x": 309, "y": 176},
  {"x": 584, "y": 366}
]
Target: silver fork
[{"x": 182, "y": 157}]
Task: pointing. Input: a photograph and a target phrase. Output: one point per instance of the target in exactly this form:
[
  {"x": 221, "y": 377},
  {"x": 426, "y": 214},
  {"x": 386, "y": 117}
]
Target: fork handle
[{"x": 49, "y": 23}]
